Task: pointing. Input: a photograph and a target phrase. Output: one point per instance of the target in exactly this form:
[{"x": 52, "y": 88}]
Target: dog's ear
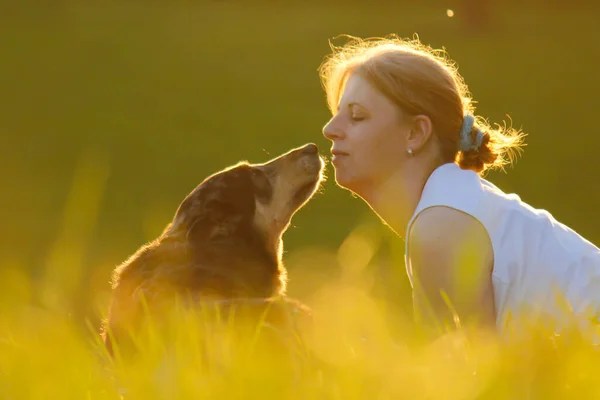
[
  {"x": 263, "y": 189},
  {"x": 220, "y": 219}
]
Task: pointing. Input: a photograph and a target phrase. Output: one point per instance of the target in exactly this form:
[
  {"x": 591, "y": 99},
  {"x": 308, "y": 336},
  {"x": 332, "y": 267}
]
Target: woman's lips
[{"x": 338, "y": 156}]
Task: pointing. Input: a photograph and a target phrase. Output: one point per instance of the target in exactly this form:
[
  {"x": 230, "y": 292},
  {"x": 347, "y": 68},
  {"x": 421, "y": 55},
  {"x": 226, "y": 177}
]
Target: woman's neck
[{"x": 396, "y": 198}]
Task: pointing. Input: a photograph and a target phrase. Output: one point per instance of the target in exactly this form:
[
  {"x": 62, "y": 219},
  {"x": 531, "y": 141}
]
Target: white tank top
[{"x": 534, "y": 255}]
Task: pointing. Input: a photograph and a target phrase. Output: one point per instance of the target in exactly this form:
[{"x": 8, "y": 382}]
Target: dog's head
[{"x": 247, "y": 208}]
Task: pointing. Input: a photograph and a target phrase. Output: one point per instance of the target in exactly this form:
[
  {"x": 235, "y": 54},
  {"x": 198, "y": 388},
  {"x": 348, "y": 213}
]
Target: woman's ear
[{"x": 420, "y": 132}]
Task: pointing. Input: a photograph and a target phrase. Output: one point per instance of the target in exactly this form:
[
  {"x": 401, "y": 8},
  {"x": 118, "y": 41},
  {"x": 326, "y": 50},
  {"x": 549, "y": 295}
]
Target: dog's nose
[{"x": 310, "y": 148}]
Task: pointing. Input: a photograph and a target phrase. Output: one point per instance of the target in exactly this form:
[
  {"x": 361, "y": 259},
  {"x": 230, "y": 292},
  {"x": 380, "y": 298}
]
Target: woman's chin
[{"x": 344, "y": 181}]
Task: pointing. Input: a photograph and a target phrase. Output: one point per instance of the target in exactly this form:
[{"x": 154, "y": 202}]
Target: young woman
[{"x": 406, "y": 140}]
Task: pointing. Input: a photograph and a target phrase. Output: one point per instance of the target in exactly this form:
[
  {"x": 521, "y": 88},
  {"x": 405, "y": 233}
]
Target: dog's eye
[{"x": 262, "y": 185}]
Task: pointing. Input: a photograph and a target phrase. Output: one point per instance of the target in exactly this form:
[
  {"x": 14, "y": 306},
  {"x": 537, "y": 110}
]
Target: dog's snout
[{"x": 310, "y": 148}]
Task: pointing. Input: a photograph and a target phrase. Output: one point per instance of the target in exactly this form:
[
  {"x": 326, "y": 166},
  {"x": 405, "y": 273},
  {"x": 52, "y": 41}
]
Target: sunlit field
[
  {"x": 111, "y": 112},
  {"x": 350, "y": 349}
]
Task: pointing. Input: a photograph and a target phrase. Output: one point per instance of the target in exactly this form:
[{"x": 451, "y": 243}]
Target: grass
[{"x": 350, "y": 350}]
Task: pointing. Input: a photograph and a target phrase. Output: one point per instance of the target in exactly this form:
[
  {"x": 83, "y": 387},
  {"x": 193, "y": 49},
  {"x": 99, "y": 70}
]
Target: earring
[{"x": 410, "y": 152}]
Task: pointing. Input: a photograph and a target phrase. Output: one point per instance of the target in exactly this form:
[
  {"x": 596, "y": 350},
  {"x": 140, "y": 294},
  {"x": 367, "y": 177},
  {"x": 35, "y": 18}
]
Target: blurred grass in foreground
[{"x": 354, "y": 354}]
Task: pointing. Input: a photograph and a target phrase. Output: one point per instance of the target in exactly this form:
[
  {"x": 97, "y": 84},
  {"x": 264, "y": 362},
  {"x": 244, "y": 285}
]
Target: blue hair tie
[{"x": 466, "y": 143}]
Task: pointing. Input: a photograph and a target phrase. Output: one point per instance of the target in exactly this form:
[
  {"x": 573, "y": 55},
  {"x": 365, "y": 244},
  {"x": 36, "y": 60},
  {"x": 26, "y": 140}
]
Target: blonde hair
[{"x": 421, "y": 80}]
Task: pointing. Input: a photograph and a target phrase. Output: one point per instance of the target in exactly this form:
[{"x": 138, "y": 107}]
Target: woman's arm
[{"x": 451, "y": 257}]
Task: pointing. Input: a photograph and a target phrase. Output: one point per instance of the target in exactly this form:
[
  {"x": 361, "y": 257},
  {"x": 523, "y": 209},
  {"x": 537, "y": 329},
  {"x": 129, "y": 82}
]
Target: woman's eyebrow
[{"x": 350, "y": 105}]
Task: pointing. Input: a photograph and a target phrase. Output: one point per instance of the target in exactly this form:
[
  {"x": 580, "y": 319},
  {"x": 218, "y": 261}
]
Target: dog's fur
[{"x": 224, "y": 242}]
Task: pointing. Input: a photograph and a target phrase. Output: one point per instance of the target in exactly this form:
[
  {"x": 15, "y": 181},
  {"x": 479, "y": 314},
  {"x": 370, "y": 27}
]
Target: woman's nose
[{"x": 330, "y": 131}]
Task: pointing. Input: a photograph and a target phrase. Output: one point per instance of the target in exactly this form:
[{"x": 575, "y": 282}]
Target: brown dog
[{"x": 224, "y": 244}]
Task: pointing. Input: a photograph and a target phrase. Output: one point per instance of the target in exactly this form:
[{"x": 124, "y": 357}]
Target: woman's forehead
[{"x": 359, "y": 90}]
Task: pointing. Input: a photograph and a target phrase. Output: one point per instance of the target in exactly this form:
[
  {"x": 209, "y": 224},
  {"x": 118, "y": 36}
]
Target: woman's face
[{"x": 368, "y": 135}]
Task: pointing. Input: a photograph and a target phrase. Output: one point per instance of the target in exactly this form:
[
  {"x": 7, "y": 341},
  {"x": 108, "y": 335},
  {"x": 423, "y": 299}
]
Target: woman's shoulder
[
  {"x": 449, "y": 182},
  {"x": 464, "y": 191},
  {"x": 445, "y": 226},
  {"x": 447, "y": 239}
]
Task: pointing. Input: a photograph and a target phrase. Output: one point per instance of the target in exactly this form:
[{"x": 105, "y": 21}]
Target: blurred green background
[{"x": 111, "y": 112}]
